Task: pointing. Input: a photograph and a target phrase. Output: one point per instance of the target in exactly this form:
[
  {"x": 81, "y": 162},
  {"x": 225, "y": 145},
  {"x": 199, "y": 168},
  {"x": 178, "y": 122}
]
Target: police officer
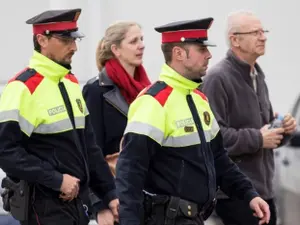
[
  {"x": 172, "y": 154},
  {"x": 45, "y": 132}
]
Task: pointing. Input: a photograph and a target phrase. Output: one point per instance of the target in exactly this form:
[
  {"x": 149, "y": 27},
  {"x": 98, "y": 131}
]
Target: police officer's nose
[
  {"x": 74, "y": 46},
  {"x": 209, "y": 56}
]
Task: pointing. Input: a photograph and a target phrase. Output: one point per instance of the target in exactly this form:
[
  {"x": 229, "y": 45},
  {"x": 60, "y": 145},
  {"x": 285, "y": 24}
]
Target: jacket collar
[
  {"x": 242, "y": 65},
  {"x": 244, "y": 71},
  {"x": 114, "y": 96},
  {"x": 104, "y": 80},
  {"x": 176, "y": 80},
  {"x": 46, "y": 67}
]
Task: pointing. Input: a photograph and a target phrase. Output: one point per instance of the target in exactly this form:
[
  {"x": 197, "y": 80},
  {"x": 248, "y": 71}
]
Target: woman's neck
[{"x": 128, "y": 68}]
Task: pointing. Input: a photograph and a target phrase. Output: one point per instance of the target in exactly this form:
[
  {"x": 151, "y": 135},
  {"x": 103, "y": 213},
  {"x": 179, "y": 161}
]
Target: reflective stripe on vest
[
  {"x": 166, "y": 117},
  {"x": 60, "y": 126},
  {"x": 179, "y": 141},
  {"x": 13, "y": 115}
]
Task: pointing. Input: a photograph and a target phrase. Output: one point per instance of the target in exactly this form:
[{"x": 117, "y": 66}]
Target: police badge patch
[
  {"x": 79, "y": 104},
  {"x": 206, "y": 116}
]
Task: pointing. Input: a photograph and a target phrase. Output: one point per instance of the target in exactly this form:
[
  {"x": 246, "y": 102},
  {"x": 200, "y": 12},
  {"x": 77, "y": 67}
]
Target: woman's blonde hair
[{"x": 114, "y": 34}]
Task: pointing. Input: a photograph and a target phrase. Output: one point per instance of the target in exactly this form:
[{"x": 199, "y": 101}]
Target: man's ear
[
  {"x": 42, "y": 40},
  {"x": 234, "y": 40},
  {"x": 179, "y": 53}
]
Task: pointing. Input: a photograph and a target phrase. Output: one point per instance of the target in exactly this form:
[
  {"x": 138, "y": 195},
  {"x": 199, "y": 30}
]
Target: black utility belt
[{"x": 170, "y": 208}]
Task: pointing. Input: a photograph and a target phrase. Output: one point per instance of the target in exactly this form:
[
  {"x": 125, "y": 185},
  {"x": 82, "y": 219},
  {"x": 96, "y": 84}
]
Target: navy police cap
[
  {"x": 61, "y": 22},
  {"x": 186, "y": 31}
]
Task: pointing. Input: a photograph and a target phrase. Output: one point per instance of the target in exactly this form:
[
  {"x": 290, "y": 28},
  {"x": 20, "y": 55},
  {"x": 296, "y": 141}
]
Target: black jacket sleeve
[
  {"x": 131, "y": 172},
  {"x": 94, "y": 102},
  {"x": 93, "y": 97},
  {"x": 237, "y": 141},
  {"x": 229, "y": 177},
  {"x": 17, "y": 162},
  {"x": 101, "y": 178}
]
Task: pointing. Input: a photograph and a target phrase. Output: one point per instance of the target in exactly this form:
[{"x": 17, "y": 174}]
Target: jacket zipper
[
  {"x": 203, "y": 143},
  {"x": 69, "y": 108}
]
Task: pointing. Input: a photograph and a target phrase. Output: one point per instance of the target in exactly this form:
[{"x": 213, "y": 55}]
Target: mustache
[{"x": 71, "y": 53}]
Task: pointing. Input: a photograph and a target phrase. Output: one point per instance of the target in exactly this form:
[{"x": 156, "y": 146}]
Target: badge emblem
[
  {"x": 79, "y": 104},
  {"x": 189, "y": 129},
  {"x": 206, "y": 116}
]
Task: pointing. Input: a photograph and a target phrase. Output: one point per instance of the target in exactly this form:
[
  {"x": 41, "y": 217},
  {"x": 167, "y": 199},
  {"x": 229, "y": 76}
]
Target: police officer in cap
[
  {"x": 46, "y": 137},
  {"x": 173, "y": 160}
]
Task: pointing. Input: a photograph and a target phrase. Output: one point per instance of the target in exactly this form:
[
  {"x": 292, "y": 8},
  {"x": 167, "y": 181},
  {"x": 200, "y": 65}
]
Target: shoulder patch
[
  {"x": 160, "y": 91},
  {"x": 203, "y": 96},
  {"x": 72, "y": 78},
  {"x": 144, "y": 90},
  {"x": 30, "y": 78}
]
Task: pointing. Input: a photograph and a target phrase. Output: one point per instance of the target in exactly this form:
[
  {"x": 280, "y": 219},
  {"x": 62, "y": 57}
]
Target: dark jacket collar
[
  {"x": 114, "y": 96},
  {"x": 243, "y": 66}
]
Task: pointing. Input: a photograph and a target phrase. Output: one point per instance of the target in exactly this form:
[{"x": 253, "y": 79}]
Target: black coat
[{"x": 108, "y": 112}]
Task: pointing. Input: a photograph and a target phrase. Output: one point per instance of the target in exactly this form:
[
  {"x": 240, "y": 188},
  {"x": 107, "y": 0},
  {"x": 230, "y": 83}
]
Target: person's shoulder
[
  {"x": 219, "y": 68},
  {"x": 94, "y": 81},
  {"x": 27, "y": 79},
  {"x": 220, "y": 71},
  {"x": 158, "y": 92}
]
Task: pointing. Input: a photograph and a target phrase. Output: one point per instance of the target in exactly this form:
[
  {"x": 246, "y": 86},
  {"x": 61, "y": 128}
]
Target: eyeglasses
[
  {"x": 255, "y": 33},
  {"x": 66, "y": 40}
]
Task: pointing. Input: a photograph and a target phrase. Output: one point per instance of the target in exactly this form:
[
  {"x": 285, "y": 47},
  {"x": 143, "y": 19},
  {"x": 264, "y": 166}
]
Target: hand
[
  {"x": 105, "y": 217},
  {"x": 114, "y": 207},
  {"x": 112, "y": 162},
  {"x": 261, "y": 210},
  {"x": 289, "y": 124},
  {"x": 69, "y": 187},
  {"x": 271, "y": 137}
]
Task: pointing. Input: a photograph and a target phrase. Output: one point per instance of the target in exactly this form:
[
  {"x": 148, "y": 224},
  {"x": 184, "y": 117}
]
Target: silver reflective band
[
  {"x": 180, "y": 141},
  {"x": 213, "y": 131},
  {"x": 86, "y": 111},
  {"x": 60, "y": 126},
  {"x": 146, "y": 129},
  {"x": 14, "y": 115}
]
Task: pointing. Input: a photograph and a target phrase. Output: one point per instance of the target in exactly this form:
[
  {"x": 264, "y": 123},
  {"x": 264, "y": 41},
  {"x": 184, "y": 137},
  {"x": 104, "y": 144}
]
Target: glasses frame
[
  {"x": 65, "y": 40},
  {"x": 254, "y": 32}
]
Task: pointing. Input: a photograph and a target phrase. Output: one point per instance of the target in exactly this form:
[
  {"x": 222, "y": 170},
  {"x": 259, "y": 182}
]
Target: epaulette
[
  {"x": 202, "y": 95},
  {"x": 160, "y": 91},
  {"x": 72, "y": 78},
  {"x": 29, "y": 77}
]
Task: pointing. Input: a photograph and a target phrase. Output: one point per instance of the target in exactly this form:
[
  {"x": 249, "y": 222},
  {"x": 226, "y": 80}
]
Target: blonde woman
[{"x": 119, "y": 59}]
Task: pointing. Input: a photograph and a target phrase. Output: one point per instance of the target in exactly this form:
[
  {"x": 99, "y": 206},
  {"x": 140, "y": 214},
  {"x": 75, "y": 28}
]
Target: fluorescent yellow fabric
[
  {"x": 172, "y": 124},
  {"x": 43, "y": 111}
]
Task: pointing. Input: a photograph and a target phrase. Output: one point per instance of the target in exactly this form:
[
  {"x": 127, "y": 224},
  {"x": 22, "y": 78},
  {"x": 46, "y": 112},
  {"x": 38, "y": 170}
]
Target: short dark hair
[
  {"x": 36, "y": 45},
  {"x": 167, "y": 49}
]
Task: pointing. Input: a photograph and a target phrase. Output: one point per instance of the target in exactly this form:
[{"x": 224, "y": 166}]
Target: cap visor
[
  {"x": 76, "y": 34},
  {"x": 209, "y": 43}
]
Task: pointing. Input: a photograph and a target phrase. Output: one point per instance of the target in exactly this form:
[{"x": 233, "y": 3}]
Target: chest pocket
[
  {"x": 53, "y": 116},
  {"x": 181, "y": 130}
]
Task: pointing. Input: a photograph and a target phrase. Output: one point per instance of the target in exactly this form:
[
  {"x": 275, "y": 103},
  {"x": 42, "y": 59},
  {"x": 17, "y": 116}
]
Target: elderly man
[{"x": 239, "y": 97}]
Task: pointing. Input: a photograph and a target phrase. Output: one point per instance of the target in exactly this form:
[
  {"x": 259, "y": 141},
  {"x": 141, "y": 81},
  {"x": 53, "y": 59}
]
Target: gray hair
[{"x": 234, "y": 21}]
